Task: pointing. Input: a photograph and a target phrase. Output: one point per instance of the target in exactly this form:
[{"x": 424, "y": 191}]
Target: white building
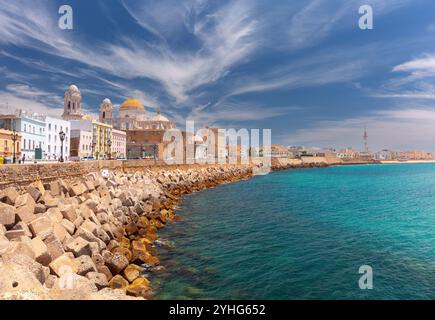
[
  {"x": 53, "y": 144},
  {"x": 32, "y": 129},
  {"x": 81, "y": 143},
  {"x": 119, "y": 144}
]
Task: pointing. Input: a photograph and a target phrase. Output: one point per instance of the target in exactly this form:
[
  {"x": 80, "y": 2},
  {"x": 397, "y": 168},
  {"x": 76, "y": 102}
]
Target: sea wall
[{"x": 73, "y": 234}]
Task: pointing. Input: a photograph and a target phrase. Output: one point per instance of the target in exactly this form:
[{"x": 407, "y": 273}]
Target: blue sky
[{"x": 302, "y": 68}]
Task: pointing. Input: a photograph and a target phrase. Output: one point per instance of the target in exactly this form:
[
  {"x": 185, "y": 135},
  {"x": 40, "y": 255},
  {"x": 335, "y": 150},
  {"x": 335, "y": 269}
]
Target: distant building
[
  {"x": 101, "y": 137},
  {"x": 7, "y": 145},
  {"x": 72, "y": 109},
  {"x": 32, "y": 129},
  {"x": 53, "y": 144},
  {"x": 81, "y": 143},
  {"x": 278, "y": 150},
  {"x": 119, "y": 144}
]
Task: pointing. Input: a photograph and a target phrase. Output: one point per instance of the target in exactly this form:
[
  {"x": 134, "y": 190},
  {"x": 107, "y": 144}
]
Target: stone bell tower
[
  {"x": 72, "y": 108},
  {"x": 106, "y": 111}
]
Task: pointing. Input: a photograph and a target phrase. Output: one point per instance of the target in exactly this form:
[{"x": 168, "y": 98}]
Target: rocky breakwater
[{"x": 93, "y": 237}]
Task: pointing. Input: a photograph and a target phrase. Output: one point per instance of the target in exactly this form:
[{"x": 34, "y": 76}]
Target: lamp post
[
  {"x": 109, "y": 145},
  {"x": 93, "y": 147},
  {"x": 62, "y": 138},
  {"x": 14, "y": 137},
  {"x": 154, "y": 151}
]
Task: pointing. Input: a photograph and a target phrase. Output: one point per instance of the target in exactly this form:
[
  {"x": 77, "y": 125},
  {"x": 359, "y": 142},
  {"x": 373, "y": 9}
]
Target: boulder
[
  {"x": 68, "y": 212},
  {"x": 63, "y": 265},
  {"x": 54, "y": 246},
  {"x": 132, "y": 272},
  {"x": 41, "y": 251},
  {"x": 106, "y": 271},
  {"x": 22, "y": 226},
  {"x": 41, "y": 226},
  {"x": 77, "y": 189},
  {"x": 85, "y": 265},
  {"x": 98, "y": 279},
  {"x": 9, "y": 195},
  {"x": 78, "y": 247},
  {"x": 54, "y": 214},
  {"x": 25, "y": 200},
  {"x": 117, "y": 263},
  {"x": 118, "y": 282},
  {"x": 140, "y": 288},
  {"x": 40, "y": 208},
  {"x": 15, "y": 234},
  {"x": 26, "y": 214},
  {"x": 34, "y": 193},
  {"x": 69, "y": 226},
  {"x": 8, "y": 215}
]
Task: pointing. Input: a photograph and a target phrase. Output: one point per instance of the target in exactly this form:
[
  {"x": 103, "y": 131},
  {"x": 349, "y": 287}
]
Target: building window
[
  {"x": 24, "y": 141},
  {"x": 49, "y": 126},
  {"x": 25, "y": 127}
]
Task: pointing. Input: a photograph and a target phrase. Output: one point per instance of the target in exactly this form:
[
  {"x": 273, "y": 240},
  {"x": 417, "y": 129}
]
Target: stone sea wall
[{"x": 67, "y": 232}]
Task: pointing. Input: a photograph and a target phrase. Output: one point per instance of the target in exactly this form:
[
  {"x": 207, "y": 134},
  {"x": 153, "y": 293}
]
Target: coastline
[{"x": 108, "y": 224}]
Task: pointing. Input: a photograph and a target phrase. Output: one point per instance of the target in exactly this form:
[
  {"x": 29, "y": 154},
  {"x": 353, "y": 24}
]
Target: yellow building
[
  {"x": 7, "y": 146},
  {"x": 102, "y": 139}
]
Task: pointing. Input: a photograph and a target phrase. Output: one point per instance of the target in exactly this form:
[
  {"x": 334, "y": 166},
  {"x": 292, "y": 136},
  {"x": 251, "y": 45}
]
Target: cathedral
[{"x": 132, "y": 116}]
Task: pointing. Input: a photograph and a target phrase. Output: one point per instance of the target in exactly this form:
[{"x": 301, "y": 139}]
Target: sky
[{"x": 301, "y": 68}]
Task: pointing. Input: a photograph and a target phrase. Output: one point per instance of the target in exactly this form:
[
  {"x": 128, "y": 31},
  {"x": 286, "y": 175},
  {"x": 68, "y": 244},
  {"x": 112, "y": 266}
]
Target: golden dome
[{"x": 132, "y": 104}]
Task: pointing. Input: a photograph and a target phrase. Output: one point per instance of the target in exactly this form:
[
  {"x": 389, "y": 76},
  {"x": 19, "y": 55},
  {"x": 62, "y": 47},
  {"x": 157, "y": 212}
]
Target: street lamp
[
  {"x": 14, "y": 137},
  {"x": 62, "y": 138},
  {"x": 109, "y": 145},
  {"x": 93, "y": 147}
]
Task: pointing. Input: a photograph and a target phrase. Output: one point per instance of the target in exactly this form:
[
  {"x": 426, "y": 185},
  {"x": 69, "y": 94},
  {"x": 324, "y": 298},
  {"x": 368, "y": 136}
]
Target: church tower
[
  {"x": 72, "y": 108},
  {"x": 106, "y": 111}
]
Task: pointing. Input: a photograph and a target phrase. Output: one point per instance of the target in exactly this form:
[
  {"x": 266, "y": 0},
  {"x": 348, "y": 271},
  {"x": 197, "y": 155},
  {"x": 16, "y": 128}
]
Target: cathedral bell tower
[
  {"x": 72, "y": 108},
  {"x": 106, "y": 111}
]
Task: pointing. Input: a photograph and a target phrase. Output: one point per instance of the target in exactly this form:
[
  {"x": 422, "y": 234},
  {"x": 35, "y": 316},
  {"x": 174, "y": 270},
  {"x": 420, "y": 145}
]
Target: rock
[
  {"x": 77, "y": 189},
  {"x": 92, "y": 204},
  {"x": 26, "y": 214},
  {"x": 106, "y": 271},
  {"x": 55, "y": 189},
  {"x": 90, "y": 185},
  {"x": 124, "y": 251},
  {"x": 34, "y": 193},
  {"x": 132, "y": 272},
  {"x": 85, "y": 265},
  {"x": 19, "y": 248},
  {"x": 25, "y": 200},
  {"x": 59, "y": 231},
  {"x": 101, "y": 234},
  {"x": 118, "y": 282},
  {"x": 131, "y": 228},
  {"x": 5, "y": 245},
  {"x": 117, "y": 263},
  {"x": 140, "y": 288},
  {"x": 41, "y": 226},
  {"x": 63, "y": 265},
  {"x": 98, "y": 279},
  {"x": 8, "y": 215},
  {"x": 50, "y": 281},
  {"x": 22, "y": 226},
  {"x": 9, "y": 195},
  {"x": 68, "y": 212},
  {"x": 54, "y": 246},
  {"x": 2, "y": 230},
  {"x": 40, "y": 208},
  {"x": 39, "y": 271},
  {"x": 14, "y": 234},
  {"x": 54, "y": 214},
  {"x": 41, "y": 251},
  {"x": 78, "y": 247},
  {"x": 98, "y": 259},
  {"x": 69, "y": 226}
]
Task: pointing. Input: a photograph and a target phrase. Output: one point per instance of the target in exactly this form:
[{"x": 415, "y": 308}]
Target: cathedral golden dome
[{"x": 132, "y": 104}]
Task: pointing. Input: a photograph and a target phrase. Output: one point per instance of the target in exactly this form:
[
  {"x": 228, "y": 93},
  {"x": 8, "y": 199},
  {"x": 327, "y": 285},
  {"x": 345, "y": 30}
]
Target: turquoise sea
[{"x": 303, "y": 234}]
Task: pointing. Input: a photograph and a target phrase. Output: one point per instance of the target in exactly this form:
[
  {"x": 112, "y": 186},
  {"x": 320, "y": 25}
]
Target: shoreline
[{"x": 110, "y": 225}]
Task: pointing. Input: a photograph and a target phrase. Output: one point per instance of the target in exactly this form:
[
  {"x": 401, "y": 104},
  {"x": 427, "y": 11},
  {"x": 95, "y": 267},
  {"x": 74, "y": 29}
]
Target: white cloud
[{"x": 410, "y": 128}]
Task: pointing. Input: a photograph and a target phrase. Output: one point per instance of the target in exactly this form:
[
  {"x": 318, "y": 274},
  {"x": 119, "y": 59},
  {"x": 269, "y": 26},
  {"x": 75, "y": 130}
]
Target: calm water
[{"x": 304, "y": 234}]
